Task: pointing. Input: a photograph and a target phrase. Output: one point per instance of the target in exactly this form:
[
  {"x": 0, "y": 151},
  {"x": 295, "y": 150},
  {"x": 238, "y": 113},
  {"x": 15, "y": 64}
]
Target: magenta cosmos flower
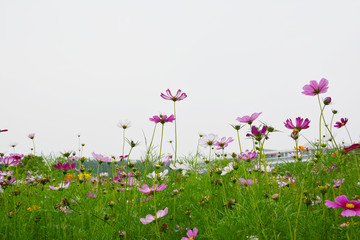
[
  {"x": 191, "y": 234},
  {"x": 248, "y": 119},
  {"x": 300, "y": 124},
  {"x": 179, "y": 96},
  {"x": 248, "y": 182},
  {"x": 65, "y": 166},
  {"x": 257, "y": 133},
  {"x": 3, "y": 130},
  {"x": 146, "y": 189},
  {"x": 162, "y": 119},
  {"x": 352, "y": 208},
  {"x": 352, "y": 147},
  {"x": 248, "y": 155},
  {"x": 150, "y": 218},
  {"x": 315, "y": 88},
  {"x": 342, "y": 123},
  {"x": 223, "y": 143}
]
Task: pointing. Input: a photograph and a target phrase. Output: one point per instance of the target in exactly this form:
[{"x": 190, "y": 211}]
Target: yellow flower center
[
  {"x": 350, "y": 205},
  {"x": 191, "y": 238}
]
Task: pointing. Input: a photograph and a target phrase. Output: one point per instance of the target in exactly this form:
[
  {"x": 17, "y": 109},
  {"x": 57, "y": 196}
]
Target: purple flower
[
  {"x": 66, "y": 210},
  {"x": 327, "y": 100},
  {"x": 342, "y": 123},
  {"x": 91, "y": 195},
  {"x": 300, "y": 124},
  {"x": 150, "y": 218},
  {"x": 3, "y": 130},
  {"x": 162, "y": 118},
  {"x": 179, "y": 96},
  {"x": 223, "y": 143},
  {"x": 191, "y": 234},
  {"x": 248, "y": 155},
  {"x": 146, "y": 189},
  {"x": 31, "y": 135},
  {"x": 248, "y": 182},
  {"x": 352, "y": 147},
  {"x": 100, "y": 158},
  {"x": 352, "y": 208},
  {"x": 315, "y": 88},
  {"x": 257, "y": 133},
  {"x": 337, "y": 182},
  {"x": 65, "y": 166},
  {"x": 249, "y": 119},
  {"x": 9, "y": 161}
]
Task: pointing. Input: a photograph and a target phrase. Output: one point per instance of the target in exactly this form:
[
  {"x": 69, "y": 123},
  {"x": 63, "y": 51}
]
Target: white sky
[{"x": 78, "y": 67}]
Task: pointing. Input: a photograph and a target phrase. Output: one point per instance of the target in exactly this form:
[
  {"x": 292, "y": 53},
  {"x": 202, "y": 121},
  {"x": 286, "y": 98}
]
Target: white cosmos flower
[{"x": 229, "y": 168}]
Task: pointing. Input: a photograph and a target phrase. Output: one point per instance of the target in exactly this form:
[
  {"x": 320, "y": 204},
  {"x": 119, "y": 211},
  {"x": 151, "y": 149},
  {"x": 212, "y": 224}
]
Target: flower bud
[
  {"x": 334, "y": 111},
  {"x": 323, "y": 189},
  {"x": 275, "y": 196},
  {"x": 344, "y": 225},
  {"x": 327, "y": 100}
]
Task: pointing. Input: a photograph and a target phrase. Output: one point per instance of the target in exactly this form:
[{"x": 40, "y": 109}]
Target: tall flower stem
[
  {"x": 346, "y": 131},
  {"x": 321, "y": 114},
  {"x": 34, "y": 145},
  {"x": 148, "y": 151},
  {"x": 196, "y": 157},
  {"x": 241, "y": 153},
  {"x": 175, "y": 158},
  {"x": 161, "y": 141},
  {"x": 123, "y": 148}
]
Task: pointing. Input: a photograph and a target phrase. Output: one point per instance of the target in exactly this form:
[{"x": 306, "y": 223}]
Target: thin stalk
[
  {"x": 175, "y": 135},
  {"x": 161, "y": 141},
  {"x": 241, "y": 154},
  {"x": 123, "y": 148},
  {"x": 348, "y": 135}
]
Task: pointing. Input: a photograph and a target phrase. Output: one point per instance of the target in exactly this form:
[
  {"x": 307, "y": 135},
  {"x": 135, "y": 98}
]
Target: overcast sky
[{"x": 79, "y": 67}]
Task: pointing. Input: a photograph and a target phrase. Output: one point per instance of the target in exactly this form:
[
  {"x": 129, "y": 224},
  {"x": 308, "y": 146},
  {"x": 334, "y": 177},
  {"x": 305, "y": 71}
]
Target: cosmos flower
[
  {"x": 257, "y": 133},
  {"x": 3, "y": 130},
  {"x": 229, "y": 168},
  {"x": 248, "y": 182},
  {"x": 208, "y": 140},
  {"x": 180, "y": 166},
  {"x": 31, "y": 135},
  {"x": 315, "y": 88},
  {"x": 65, "y": 166},
  {"x": 162, "y": 118},
  {"x": 150, "y": 218},
  {"x": 248, "y": 119},
  {"x": 300, "y": 124},
  {"x": 342, "y": 123},
  {"x": 124, "y": 124},
  {"x": 352, "y": 147},
  {"x": 191, "y": 234},
  {"x": 248, "y": 155},
  {"x": 61, "y": 186},
  {"x": 223, "y": 143},
  {"x": 100, "y": 158},
  {"x": 146, "y": 189},
  {"x": 65, "y": 209},
  {"x": 161, "y": 175},
  {"x": 179, "y": 96},
  {"x": 352, "y": 208}
]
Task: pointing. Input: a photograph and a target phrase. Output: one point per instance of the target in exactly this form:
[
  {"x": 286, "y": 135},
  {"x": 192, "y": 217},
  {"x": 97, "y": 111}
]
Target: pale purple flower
[
  {"x": 162, "y": 118},
  {"x": 91, "y": 195},
  {"x": 248, "y": 182},
  {"x": 150, "y": 218},
  {"x": 191, "y": 234},
  {"x": 100, "y": 158},
  {"x": 248, "y": 119},
  {"x": 66, "y": 210},
  {"x": 223, "y": 143},
  {"x": 179, "y": 96},
  {"x": 315, "y": 88},
  {"x": 337, "y": 182},
  {"x": 342, "y": 123},
  {"x": 146, "y": 189},
  {"x": 31, "y": 135},
  {"x": 208, "y": 140},
  {"x": 248, "y": 155},
  {"x": 352, "y": 208}
]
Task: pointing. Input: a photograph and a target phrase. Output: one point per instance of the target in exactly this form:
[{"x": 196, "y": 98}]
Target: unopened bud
[
  {"x": 327, "y": 100},
  {"x": 275, "y": 196}
]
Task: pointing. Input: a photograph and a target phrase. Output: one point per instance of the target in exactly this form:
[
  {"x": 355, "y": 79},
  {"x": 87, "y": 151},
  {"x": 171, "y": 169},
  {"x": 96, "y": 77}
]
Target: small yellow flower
[
  {"x": 33, "y": 208},
  {"x": 84, "y": 175}
]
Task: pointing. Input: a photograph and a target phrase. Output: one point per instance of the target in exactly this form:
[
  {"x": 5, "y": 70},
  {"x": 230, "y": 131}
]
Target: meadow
[{"x": 217, "y": 195}]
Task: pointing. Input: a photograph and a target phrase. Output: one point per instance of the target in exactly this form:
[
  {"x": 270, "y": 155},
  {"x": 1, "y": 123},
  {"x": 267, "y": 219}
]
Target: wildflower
[
  {"x": 248, "y": 155},
  {"x": 34, "y": 208},
  {"x": 31, "y": 135},
  {"x": 248, "y": 119},
  {"x": 3, "y": 130},
  {"x": 301, "y": 148},
  {"x": 257, "y": 133},
  {"x": 191, "y": 234},
  {"x": 208, "y": 140},
  {"x": 91, "y": 195},
  {"x": 150, "y": 218},
  {"x": 9, "y": 160},
  {"x": 178, "y": 97},
  {"x": 300, "y": 124},
  {"x": 327, "y": 101},
  {"x": 337, "y": 182},
  {"x": 66, "y": 210},
  {"x": 160, "y": 175},
  {"x": 352, "y": 208},
  {"x": 65, "y": 166},
  {"x": 162, "y": 118},
  {"x": 229, "y": 168},
  {"x": 146, "y": 189},
  {"x": 180, "y": 167},
  {"x": 69, "y": 176},
  {"x": 352, "y": 147},
  {"x": 223, "y": 143},
  {"x": 342, "y": 123},
  {"x": 315, "y": 88},
  {"x": 124, "y": 124},
  {"x": 100, "y": 158},
  {"x": 84, "y": 175},
  {"x": 248, "y": 182},
  {"x": 61, "y": 186}
]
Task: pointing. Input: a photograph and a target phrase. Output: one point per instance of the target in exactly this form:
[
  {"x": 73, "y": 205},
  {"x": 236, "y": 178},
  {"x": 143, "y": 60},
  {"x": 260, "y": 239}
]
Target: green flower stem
[
  {"x": 161, "y": 141},
  {"x": 175, "y": 135},
  {"x": 348, "y": 135},
  {"x": 123, "y": 148},
  {"x": 241, "y": 154}
]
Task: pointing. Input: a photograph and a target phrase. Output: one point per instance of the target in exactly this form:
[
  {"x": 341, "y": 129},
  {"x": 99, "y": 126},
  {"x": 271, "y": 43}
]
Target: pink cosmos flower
[
  {"x": 191, "y": 234},
  {"x": 248, "y": 155},
  {"x": 337, "y": 182},
  {"x": 65, "y": 166},
  {"x": 315, "y": 88},
  {"x": 257, "y": 133},
  {"x": 179, "y": 96},
  {"x": 248, "y": 119},
  {"x": 300, "y": 124},
  {"x": 146, "y": 189},
  {"x": 342, "y": 123},
  {"x": 223, "y": 143},
  {"x": 162, "y": 118},
  {"x": 248, "y": 182},
  {"x": 9, "y": 161},
  {"x": 352, "y": 208},
  {"x": 31, "y": 135},
  {"x": 100, "y": 158},
  {"x": 91, "y": 195},
  {"x": 208, "y": 140},
  {"x": 352, "y": 147},
  {"x": 150, "y": 218},
  {"x": 66, "y": 210}
]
